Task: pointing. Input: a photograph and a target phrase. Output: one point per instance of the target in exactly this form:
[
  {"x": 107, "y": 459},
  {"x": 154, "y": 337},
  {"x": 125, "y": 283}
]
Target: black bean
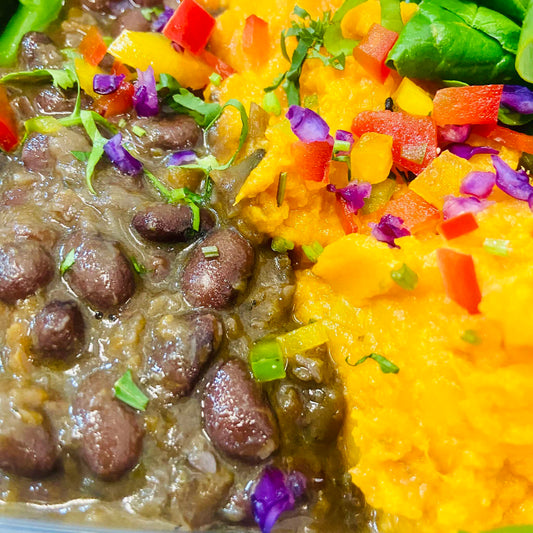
[
  {"x": 58, "y": 329},
  {"x": 237, "y": 419},
  {"x": 111, "y": 432},
  {"x": 214, "y": 282},
  {"x": 101, "y": 273},
  {"x": 178, "y": 357},
  {"x": 175, "y": 132},
  {"x": 25, "y": 267},
  {"x": 38, "y": 51},
  {"x": 131, "y": 19},
  {"x": 170, "y": 223},
  {"x": 36, "y": 153}
]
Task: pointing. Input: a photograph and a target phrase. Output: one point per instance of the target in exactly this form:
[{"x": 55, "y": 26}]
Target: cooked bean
[
  {"x": 175, "y": 132},
  {"x": 131, "y": 19},
  {"x": 58, "y": 329},
  {"x": 178, "y": 356},
  {"x": 25, "y": 267},
  {"x": 237, "y": 418},
  {"x": 170, "y": 223},
  {"x": 38, "y": 51},
  {"x": 101, "y": 274},
  {"x": 111, "y": 432},
  {"x": 214, "y": 282},
  {"x": 53, "y": 101},
  {"x": 36, "y": 153}
]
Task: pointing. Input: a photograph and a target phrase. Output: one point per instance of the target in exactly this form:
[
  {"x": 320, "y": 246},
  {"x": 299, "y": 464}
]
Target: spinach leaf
[
  {"x": 514, "y": 9},
  {"x": 524, "y": 56},
  {"x": 391, "y": 17},
  {"x": 61, "y": 78}
]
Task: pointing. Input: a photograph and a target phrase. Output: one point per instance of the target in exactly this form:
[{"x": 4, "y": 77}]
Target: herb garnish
[
  {"x": 64, "y": 78},
  {"x": 386, "y": 366},
  {"x": 210, "y": 252},
  {"x": 405, "y": 277},
  {"x": 313, "y": 251},
  {"x": 67, "y": 263},
  {"x": 496, "y": 246},
  {"x": 282, "y": 184},
  {"x": 128, "y": 392},
  {"x": 281, "y": 245},
  {"x": 138, "y": 267}
]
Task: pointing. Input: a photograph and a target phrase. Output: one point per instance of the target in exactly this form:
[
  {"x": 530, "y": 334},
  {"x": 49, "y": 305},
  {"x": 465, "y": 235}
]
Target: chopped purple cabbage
[
  {"x": 478, "y": 184},
  {"x": 466, "y": 151},
  {"x": 145, "y": 97},
  {"x": 107, "y": 83},
  {"x": 513, "y": 182},
  {"x": 307, "y": 125},
  {"x": 184, "y": 157},
  {"x": 353, "y": 194},
  {"x": 518, "y": 98},
  {"x": 388, "y": 229},
  {"x": 159, "y": 24},
  {"x": 455, "y": 134},
  {"x": 121, "y": 158},
  {"x": 344, "y": 136},
  {"x": 455, "y": 206}
]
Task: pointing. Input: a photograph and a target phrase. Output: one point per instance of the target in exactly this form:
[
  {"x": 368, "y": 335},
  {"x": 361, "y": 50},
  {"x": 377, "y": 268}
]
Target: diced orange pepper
[
  {"x": 92, "y": 47},
  {"x": 119, "y": 68},
  {"x": 312, "y": 159},
  {"x": 117, "y": 103},
  {"x": 9, "y": 137},
  {"x": 509, "y": 138},
  {"x": 221, "y": 68},
  {"x": 458, "y": 226},
  {"x": 255, "y": 39},
  {"x": 348, "y": 219}
]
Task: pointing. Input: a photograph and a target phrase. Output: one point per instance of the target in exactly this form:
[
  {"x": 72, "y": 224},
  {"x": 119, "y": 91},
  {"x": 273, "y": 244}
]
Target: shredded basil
[
  {"x": 138, "y": 267},
  {"x": 282, "y": 184},
  {"x": 386, "y": 366},
  {"x": 67, "y": 263},
  {"x": 64, "y": 78},
  {"x": 81, "y": 156},
  {"x": 128, "y": 392}
]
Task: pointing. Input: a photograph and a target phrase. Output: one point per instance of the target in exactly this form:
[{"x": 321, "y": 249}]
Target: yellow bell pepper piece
[
  {"x": 409, "y": 97},
  {"x": 86, "y": 73},
  {"x": 371, "y": 157},
  {"x": 407, "y": 11},
  {"x": 357, "y": 21},
  {"x": 142, "y": 49},
  {"x": 302, "y": 339}
]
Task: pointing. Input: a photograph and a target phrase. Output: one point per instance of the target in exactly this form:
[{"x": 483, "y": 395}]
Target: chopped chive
[
  {"x": 122, "y": 123},
  {"x": 386, "y": 366},
  {"x": 215, "y": 79},
  {"x": 67, "y": 263},
  {"x": 497, "y": 247},
  {"x": 138, "y": 267},
  {"x": 140, "y": 132},
  {"x": 267, "y": 361},
  {"x": 210, "y": 251},
  {"x": 342, "y": 146},
  {"x": 471, "y": 337},
  {"x": 405, "y": 277},
  {"x": 281, "y": 245},
  {"x": 81, "y": 156},
  {"x": 282, "y": 185},
  {"x": 128, "y": 392},
  {"x": 313, "y": 251},
  {"x": 271, "y": 104}
]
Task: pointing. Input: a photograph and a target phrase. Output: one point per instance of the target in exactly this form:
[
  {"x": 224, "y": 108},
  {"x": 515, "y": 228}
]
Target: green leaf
[
  {"x": 60, "y": 78},
  {"x": 391, "y": 17},
  {"x": 515, "y": 9},
  {"x": 67, "y": 263},
  {"x": 204, "y": 113},
  {"x": 138, "y": 267},
  {"x": 513, "y": 118},
  {"x": 386, "y": 366},
  {"x": 271, "y": 104},
  {"x": 524, "y": 56},
  {"x": 46, "y": 125},
  {"x": 334, "y": 42},
  {"x": 87, "y": 119},
  {"x": 81, "y": 156},
  {"x": 405, "y": 277},
  {"x": 128, "y": 392}
]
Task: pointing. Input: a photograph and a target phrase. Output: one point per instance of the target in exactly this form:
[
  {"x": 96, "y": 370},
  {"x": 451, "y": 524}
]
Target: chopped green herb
[
  {"x": 215, "y": 79},
  {"x": 334, "y": 41},
  {"x": 81, "y": 156},
  {"x": 405, "y": 277},
  {"x": 391, "y": 17},
  {"x": 63, "y": 78},
  {"x": 471, "y": 337},
  {"x": 97, "y": 151},
  {"x": 313, "y": 251},
  {"x": 128, "y": 392},
  {"x": 46, "y": 125},
  {"x": 496, "y": 247},
  {"x": 204, "y": 113},
  {"x": 386, "y": 366},
  {"x": 67, "y": 263},
  {"x": 342, "y": 146},
  {"x": 210, "y": 251},
  {"x": 148, "y": 12},
  {"x": 138, "y": 267},
  {"x": 271, "y": 104},
  {"x": 140, "y": 132},
  {"x": 281, "y": 245},
  {"x": 282, "y": 184},
  {"x": 122, "y": 123},
  {"x": 266, "y": 360}
]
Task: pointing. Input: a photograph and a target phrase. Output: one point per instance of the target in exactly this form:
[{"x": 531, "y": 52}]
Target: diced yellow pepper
[
  {"x": 142, "y": 49},
  {"x": 371, "y": 157},
  {"x": 442, "y": 177},
  {"x": 86, "y": 73},
  {"x": 409, "y": 97},
  {"x": 302, "y": 339},
  {"x": 407, "y": 11},
  {"x": 357, "y": 21}
]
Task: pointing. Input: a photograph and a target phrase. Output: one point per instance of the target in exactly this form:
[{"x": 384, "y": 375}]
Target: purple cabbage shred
[
  {"x": 388, "y": 229},
  {"x": 466, "y": 151},
  {"x": 159, "y": 24},
  {"x": 353, "y": 194},
  {"x": 184, "y": 157},
  {"x": 518, "y": 98},
  {"x": 478, "y": 184},
  {"x": 455, "y": 206},
  {"x": 121, "y": 158},
  {"x": 455, "y": 134},
  {"x": 145, "y": 96},
  {"x": 515, "y": 183},
  {"x": 307, "y": 125},
  {"x": 107, "y": 83}
]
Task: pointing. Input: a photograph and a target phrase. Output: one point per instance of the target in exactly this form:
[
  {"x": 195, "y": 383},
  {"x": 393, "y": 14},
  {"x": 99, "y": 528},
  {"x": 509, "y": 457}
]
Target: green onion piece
[
  {"x": 122, "y": 123},
  {"x": 127, "y": 392},
  {"x": 45, "y": 125},
  {"x": 266, "y": 360},
  {"x": 147, "y": 12},
  {"x": 496, "y": 247},
  {"x": 210, "y": 251},
  {"x": 138, "y": 267},
  {"x": 405, "y": 277},
  {"x": 282, "y": 184},
  {"x": 380, "y": 195},
  {"x": 281, "y": 245},
  {"x": 302, "y": 339},
  {"x": 67, "y": 263},
  {"x": 313, "y": 251},
  {"x": 215, "y": 79},
  {"x": 81, "y": 156},
  {"x": 271, "y": 104},
  {"x": 342, "y": 146},
  {"x": 471, "y": 337},
  {"x": 140, "y": 132},
  {"x": 386, "y": 366}
]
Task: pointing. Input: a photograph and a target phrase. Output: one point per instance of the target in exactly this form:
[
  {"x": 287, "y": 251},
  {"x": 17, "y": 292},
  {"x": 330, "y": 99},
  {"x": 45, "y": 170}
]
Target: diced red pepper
[
  {"x": 313, "y": 159},
  {"x": 459, "y": 277},
  {"x": 458, "y": 226},
  {"x": 190, "y": 26},
  {"x": 221, "y": 68},
  {"x": 414, "y": 143},
  {"x": 467, "y": 105},
  {"x": 511, "y": 139},
  {"x": 373, "y": 50},
  {"x": 117, "y": 103},
  {"x": 92, "y": 47},
  {"x": 119, "y": 68},
  {"x": 255, "y": 39},
  {"x": 9, "y": 137},
  {"x": 348, "y": 219}
]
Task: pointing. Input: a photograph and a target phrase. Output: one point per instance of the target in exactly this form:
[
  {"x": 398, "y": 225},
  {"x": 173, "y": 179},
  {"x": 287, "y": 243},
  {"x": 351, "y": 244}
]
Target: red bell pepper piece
[
  {"x": 119, "y": 68},
  {"x": 312, "y": 159},
  {"x": 9, "y": 137},
  {"x": 467, "y": 105},
  {"x": 92, "y": 47},
  {"x": 190, "y": 26},
  {"x": 414, "y": 143},
  {"x": 117, "y": 103},
  {"x": 348, "y": 219},
  {"x": 221, "y": 68},
  {"x": 459, "y": 277},
  {"x": 511, "y": 139},
  {"x": 373, "y": 50},
  {"x": 255, "y": 39},
  {"x": 459, "y": 225}
]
